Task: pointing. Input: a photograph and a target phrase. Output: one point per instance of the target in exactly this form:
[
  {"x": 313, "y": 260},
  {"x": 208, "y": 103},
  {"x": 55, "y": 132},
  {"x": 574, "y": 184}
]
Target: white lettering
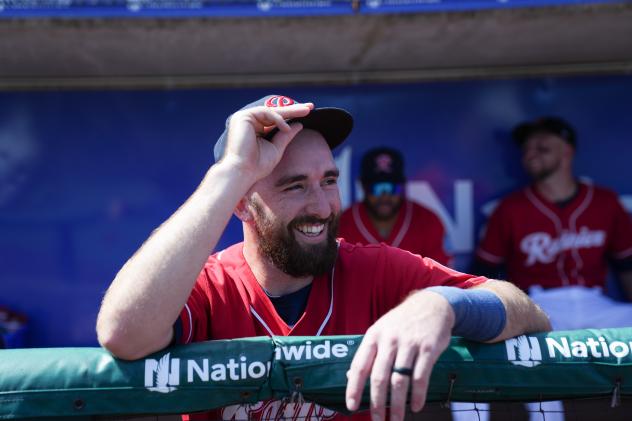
[
  {"x": 163, "y": 375},
  {"x": 243, "y": 369},
  {"x": 322, "y": 351},
  {"x": 219, "y": 372},
  {"x": 308, "y": 350},
  {"x": 540, "y": 247},
  {"x": 599, "y": 348},
  {"x": 619, "y": 349},
  {"x": 563, "y": 348},
  {"x": 293, "y": 352},
  {"x": 202, "y": 372},
  {"x": 339, "y": 350},
  {"x": 232, "y": 369},
  {"x": 593, "y": 344},
  {"x": 579, "y": 349},
  {"x": 256, "y": 369},
  {"x": 537, "y": 246},
  {"x": 604, "y": 346}
]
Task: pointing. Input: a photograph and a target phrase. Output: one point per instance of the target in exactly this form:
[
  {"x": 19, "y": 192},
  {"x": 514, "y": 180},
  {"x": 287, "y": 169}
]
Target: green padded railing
[{"x": 67, "y": 382}]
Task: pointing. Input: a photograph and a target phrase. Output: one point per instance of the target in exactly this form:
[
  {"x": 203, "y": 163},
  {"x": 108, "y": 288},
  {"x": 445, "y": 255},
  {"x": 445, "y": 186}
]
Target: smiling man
[
  {"x": 275, "y": 171},
  {"x": 300, "y": 242},
  {"x": 386, "y": 215}
]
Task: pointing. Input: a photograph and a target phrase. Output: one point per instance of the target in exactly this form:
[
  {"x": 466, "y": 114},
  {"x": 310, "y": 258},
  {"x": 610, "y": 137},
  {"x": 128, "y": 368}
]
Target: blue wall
[{"x": 86, "y": 176}]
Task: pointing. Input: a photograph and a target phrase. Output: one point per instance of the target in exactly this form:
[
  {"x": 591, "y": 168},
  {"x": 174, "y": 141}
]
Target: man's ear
[{"x": 242, "y": 211}]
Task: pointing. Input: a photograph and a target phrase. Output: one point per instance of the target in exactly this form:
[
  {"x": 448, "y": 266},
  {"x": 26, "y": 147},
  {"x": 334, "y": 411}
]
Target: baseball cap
[
  {"x": 334, "y": 124},
  {"x": 382, "y": 164},
  {"x": 548, "y": 124}
]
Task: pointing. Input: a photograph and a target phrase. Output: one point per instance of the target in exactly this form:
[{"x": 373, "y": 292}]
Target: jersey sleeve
[
  {"x": 620, "y": 247},
  {"x": 399, "y": 272},
  {"x": 193, "y": 322},
  {"x": 496, "y": 239}
]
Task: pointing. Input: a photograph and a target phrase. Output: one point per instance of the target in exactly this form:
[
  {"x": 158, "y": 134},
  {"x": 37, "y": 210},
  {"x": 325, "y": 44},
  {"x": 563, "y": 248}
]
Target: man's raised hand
[{"x": 249, "y": 150}]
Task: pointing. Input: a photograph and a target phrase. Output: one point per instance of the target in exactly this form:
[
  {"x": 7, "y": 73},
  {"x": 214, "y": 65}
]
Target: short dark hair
[{"x": 547, "y": 124}]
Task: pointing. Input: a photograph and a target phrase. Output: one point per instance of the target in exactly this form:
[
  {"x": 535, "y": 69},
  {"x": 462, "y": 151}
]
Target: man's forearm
[
  {"x": 523, "y": 315},
  {"x": 145, "y": 298}
]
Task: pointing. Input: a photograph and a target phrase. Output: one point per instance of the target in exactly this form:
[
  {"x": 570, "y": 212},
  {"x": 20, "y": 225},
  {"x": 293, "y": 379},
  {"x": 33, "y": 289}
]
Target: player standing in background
[
  {"x": 386, "y": 215},
  {"x": 556, "y": 237},
  {"x": 275, "y": 171}
]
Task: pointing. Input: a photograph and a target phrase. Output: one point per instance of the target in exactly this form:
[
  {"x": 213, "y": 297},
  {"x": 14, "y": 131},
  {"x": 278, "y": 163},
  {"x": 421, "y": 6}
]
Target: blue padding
[{"x": 480, "y": 315}]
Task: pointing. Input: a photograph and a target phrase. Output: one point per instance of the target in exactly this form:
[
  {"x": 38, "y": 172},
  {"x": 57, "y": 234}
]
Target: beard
[
  {"x": 279, "y": 245},
  {"x": 544, "y": 172},
  {"x": 380, "y": 215}
]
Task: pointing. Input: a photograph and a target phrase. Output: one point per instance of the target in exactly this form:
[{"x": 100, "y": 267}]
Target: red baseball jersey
[
  {"x": 545, "y": 244},
  {"x": 367, "y": 281},
  {"x": 417, "y": 230}
]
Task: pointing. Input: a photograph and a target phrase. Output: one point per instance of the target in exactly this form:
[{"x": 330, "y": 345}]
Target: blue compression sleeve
[{"x": 480, "y": 315}]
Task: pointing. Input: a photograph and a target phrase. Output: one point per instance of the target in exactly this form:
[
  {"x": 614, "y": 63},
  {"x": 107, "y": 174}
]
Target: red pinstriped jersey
[
  {"x": 417, "y": 230},
  {"x": 366, "y": 282},
  {"x": 544, "y": 244}
]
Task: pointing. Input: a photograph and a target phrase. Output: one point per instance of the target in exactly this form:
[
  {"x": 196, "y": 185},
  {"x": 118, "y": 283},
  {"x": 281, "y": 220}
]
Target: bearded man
[
  {"x": 557, "y": 237},
  {"x": 275, "y": 171}
]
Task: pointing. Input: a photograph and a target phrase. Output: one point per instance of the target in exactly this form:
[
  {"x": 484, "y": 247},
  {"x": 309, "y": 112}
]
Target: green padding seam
[{"x": 89, "y": 381}]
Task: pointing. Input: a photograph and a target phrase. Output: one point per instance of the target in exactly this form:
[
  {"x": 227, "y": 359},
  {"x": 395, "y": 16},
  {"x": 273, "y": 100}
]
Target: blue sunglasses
[{"x": 385, "y": 187}]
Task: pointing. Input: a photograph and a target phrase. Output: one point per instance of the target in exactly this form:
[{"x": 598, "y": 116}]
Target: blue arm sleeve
[{"x": 480, "y": 314}]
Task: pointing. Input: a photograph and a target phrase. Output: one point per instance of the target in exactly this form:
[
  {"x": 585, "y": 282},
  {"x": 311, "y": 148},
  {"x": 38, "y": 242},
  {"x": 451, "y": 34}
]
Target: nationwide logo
[
  {"x": 164, "y": 375},
  {"x": 540, "y": 247},
  {"x": 589, "y": 348},
  {"x": 524, "y": 351}
]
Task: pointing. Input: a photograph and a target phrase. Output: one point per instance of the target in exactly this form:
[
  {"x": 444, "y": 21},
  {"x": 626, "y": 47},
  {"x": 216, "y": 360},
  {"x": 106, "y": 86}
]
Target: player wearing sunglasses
[{"x": 386, "y": 215}]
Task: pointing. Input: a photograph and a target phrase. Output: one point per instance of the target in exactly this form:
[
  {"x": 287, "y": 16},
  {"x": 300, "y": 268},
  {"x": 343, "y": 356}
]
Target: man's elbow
[
  {"x": 116, "y": 344},
  {"x": 544, "y": 322},
  {"x": 523, "y": 315},
  {"x": 120, "y": 343}
]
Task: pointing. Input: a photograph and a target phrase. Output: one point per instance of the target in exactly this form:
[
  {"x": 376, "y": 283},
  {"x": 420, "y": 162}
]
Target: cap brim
[{"x": 335, "y": 124}]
